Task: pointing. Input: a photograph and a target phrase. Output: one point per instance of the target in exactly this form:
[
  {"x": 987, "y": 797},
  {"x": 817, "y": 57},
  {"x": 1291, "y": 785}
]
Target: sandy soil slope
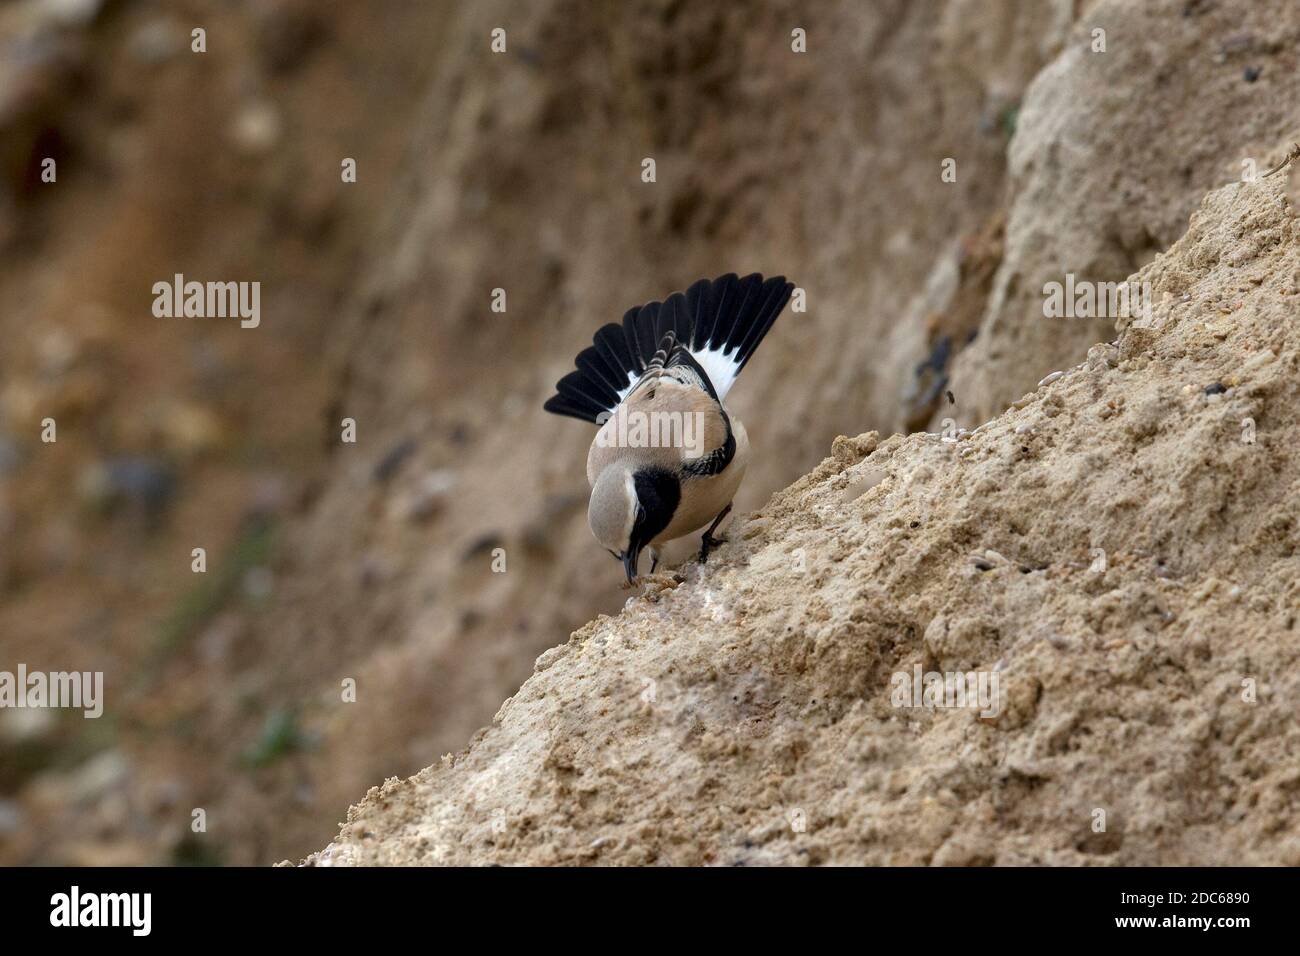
[{"x": 743, "y": 714}]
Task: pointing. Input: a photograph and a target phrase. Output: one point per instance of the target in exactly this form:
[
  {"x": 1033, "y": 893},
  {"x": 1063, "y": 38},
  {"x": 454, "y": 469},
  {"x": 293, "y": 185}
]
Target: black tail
[{"x": 720, "y": 323}]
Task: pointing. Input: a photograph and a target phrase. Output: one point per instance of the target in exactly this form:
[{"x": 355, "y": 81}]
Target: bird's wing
[{"x": 719, "y": 323}]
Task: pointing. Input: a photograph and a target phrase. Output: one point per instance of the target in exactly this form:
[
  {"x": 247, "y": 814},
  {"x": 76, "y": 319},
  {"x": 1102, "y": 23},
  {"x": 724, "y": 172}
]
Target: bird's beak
[{"x": 629, "y": 563}]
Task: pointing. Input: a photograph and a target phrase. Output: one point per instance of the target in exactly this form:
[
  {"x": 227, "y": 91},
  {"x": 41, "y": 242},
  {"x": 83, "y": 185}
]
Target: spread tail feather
[{"x": 720, "y": 323}]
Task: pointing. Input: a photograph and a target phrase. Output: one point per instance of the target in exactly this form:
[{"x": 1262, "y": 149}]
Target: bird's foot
[{"x": 707, "y": 544}]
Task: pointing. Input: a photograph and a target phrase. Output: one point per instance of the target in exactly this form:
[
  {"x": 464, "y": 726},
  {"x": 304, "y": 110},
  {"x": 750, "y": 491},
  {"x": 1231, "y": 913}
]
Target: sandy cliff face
[{"x": 1120, "y": 549}]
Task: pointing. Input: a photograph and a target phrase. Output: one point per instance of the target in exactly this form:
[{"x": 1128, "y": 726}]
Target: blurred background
[{"x": 479, "y": 170}]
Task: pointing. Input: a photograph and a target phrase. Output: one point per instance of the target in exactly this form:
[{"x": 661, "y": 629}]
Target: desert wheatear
[{"x": 668, "y": 457}]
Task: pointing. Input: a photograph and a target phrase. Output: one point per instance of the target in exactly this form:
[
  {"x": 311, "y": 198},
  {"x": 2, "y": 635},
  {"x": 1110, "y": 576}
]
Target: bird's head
[{"x": 629, "y": 507}]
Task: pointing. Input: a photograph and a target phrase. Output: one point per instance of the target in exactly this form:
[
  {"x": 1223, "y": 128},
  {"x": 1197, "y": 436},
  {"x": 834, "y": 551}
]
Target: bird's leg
[
  {"x": 654, "y": 560},
  {"x": 709, "y": 541}
]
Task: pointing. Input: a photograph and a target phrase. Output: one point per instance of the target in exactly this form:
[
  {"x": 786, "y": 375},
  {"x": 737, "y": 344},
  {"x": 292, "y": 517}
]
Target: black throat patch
[{"x": 659, "y": 493}]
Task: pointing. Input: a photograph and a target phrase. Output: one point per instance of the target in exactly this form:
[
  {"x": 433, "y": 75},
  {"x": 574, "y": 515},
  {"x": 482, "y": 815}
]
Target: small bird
[{"x": 668, "y": 456}]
